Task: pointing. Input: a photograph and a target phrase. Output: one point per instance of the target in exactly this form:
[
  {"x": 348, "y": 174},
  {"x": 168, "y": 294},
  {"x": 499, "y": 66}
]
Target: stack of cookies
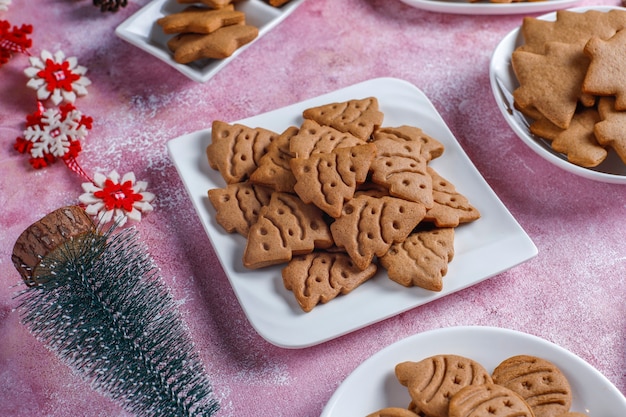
[
  {"x": 572, "y": 86},
  {"x": 337, "y": 197},
  {"x": 456, "y": 386},
  {"x": 213, "y": 30}
]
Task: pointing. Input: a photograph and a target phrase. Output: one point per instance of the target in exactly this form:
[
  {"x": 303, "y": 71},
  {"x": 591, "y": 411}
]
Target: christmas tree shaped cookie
[
  {"x": 319, "y": 277},
  {"x": 358, "y": 117},
  {"x": 422, "y": 259},
  {"x": 238, "y": 205},
  {"x": 551, "y": 83},
  {"x": 285, "y": 227},
  {"x": 368, "y": 225},
  {"x": 430, "y": 147},
  {"x": 450, "y": 208},
  {"x": 315, "y": 138},
  {"x": 329, "y": 179},
  {"x": 273, "y": 170},
  {"x": 235, "y": 150},
  {"x": 400, "y": 167}
]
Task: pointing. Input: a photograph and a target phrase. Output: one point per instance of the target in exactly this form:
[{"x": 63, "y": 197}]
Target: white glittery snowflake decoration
[
  {"x": 53, "y": 133},
  {"x": 4, "y": 5},
  {"x": 57, "y": 78},
  {"x": 111, "y": 198}
]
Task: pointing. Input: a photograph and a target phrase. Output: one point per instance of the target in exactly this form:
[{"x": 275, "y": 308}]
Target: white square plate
[
  {"x": 373, "y": 384},
  {"x": 484, "y": 248},
  {"x": 504, "y": 82},
  {"x": 142, "y": 31}
]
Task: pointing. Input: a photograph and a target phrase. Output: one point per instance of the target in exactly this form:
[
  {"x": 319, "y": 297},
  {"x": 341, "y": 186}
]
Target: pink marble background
[{"x": 572, "y": 293}]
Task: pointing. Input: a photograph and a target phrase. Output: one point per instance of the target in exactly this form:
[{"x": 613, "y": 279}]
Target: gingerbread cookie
[
  {"x": 235, "y": 150},
  {"x": 488, "y": 400},
  {"x": 421, "y": 260},
  {"x": 214, "y": 4},
  {"x": 578, "y": 142},
  {"x": 358, "y": 117},
  {"x": 273, "y": 169},
  {"x": 393, "y": 412},
  {"x": 368, "y": 226},
  {"x": 430, "y": 147},
  {"x": 570, "y": 27},
  {"x": 606, "y": 68},
  {"x": 200, "y": 20},
  {"x": 330, "y": 179},
  {"x": 401, "y": 167},
  {"x": 551, "y": 83},
  {"x": 315, "y": 138},
  {"x": 189, "y": 47},
  {"x": 541, "y": 383},
  {"x": 285, "y": 227},
  {"x": 319, "y": 277},
  {"x": 450, "y": 207},
  {"x": 238, "y": 205},
  {"x": 611, "y": 130},
  {"x": 433, "y": 381}
]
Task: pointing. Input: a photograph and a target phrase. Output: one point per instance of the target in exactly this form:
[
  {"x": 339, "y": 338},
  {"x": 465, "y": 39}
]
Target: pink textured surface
[{"x": 572, "y": 293}]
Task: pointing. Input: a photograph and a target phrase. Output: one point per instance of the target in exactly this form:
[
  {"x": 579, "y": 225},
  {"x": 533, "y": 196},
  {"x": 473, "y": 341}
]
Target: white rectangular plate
[
  {"x": 484, "y": 248},
  {"x": 142, "y": 31}
]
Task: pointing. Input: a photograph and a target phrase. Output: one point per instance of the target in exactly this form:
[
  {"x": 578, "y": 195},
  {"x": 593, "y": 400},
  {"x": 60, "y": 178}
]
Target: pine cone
[{"x": 110, "y": 5}]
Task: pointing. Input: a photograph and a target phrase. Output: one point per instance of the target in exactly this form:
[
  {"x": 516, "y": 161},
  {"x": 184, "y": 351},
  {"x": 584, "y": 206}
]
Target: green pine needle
[{"x": 102, "y": 307}]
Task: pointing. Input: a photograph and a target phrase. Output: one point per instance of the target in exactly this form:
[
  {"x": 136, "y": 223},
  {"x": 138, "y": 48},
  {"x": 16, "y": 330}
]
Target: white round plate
[
  {"x": 373, "y": 385},
  {"x": 486, "y": 8},
  {"x": 504, "y": 82}
]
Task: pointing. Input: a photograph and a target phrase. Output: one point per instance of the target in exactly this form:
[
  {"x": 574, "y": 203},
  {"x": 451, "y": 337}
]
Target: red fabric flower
[
  {"x": 58, "y": 75},
  {"x": 116, "y": 198}
]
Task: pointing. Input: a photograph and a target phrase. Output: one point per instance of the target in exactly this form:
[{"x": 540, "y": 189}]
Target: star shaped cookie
[
  {"x": 611, "y": 130},
  {"x": 577, "y": 142},
  {"x": 571, "y": 27},
  {"x": 605, "y": 75}
]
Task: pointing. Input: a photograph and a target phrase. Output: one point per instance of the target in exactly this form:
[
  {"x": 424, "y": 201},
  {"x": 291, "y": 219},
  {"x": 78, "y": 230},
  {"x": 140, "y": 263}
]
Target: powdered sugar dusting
[{"x": 138, "y": 104}]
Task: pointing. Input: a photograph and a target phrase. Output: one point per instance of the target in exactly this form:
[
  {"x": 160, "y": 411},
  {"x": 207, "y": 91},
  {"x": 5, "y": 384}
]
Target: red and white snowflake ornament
[
  {"x": 57, "y": 78},
  {"x": 118, "y": 199},
  {"x": 13, "y": 39},
  {"x": 53, "y": 133}
]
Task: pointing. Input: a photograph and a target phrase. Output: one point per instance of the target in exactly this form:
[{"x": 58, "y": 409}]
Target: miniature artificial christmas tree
[{"x": 96, "y": 299}]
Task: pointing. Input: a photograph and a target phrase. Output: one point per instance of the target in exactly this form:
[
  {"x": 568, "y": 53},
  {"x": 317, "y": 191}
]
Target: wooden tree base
[{"x": 46, "y": 235}]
